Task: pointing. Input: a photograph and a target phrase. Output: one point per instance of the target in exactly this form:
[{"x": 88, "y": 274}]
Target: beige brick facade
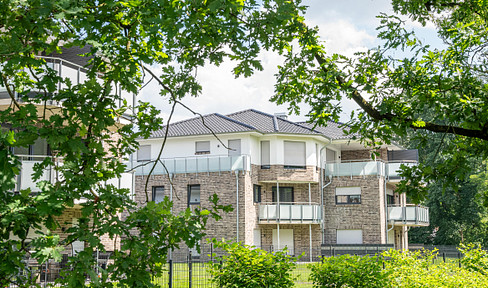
[{"x": 368, "y": 216}]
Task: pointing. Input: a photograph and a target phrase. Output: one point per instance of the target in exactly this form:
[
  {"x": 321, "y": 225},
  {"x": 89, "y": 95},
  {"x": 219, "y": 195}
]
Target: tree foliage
[
  {"x": 395, "y": 83},
  {"x": 126, "y": 39}
]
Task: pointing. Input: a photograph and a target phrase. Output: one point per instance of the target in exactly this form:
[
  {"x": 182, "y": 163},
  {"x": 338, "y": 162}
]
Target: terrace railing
[
  {"x": 197, "y": 164},
  {"x": 409, "y": 215},
  {"x": 289, "y": 212},
  {"x": 389, "y": 170}
]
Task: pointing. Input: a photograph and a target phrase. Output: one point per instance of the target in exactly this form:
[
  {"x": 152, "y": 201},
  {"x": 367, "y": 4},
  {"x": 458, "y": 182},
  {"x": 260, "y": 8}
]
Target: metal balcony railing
[
  {"x": 196, "y": 164},
  {"x": 409, "y": 215},
  {"x": 389, "y": 170},
  {"x": 289, "y": 212}
]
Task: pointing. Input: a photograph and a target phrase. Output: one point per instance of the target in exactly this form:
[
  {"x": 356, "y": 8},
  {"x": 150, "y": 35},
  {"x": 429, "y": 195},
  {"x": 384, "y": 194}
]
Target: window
[
  {"x": 390, "y": 199},
  {"x": 158, "y": 194},
  {"x": 286, "y": 194},
  {"x": 349, "y": 236},
  {"x": 265, "y": 159},
  {"x": 202, "y": 147},
  {"x": 294, "y": 155},
  {"x": 257, "y": 193},
  {"x": 348, "y": 195},
  {"x": 144, "y": 153},
  {"x": 193, "y": 194},
  {"x": 234, "y": 147}
]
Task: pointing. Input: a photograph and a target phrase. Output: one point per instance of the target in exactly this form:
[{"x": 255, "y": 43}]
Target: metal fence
[{"x": 190, "y": 269}]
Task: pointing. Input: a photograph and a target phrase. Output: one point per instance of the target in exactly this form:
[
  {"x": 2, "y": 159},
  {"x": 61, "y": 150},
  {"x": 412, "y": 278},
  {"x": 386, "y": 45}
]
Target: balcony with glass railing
[
  {"x": 289, "y": 212},
  {"x": 408, "y": 215},
  {"x": 76, "y": 73},
  {"x": 196, "y": 164},
  {"x": 50, "y": 174},
  {"x": 390, "y": 170}
]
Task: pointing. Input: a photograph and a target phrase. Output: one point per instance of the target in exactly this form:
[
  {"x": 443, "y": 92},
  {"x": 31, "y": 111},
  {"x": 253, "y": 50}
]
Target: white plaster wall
[{"x": 250, "y": 145}]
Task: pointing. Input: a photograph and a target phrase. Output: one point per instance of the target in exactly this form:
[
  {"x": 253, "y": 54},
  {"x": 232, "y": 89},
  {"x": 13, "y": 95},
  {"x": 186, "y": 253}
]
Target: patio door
[{"x": 286, "y": 240}]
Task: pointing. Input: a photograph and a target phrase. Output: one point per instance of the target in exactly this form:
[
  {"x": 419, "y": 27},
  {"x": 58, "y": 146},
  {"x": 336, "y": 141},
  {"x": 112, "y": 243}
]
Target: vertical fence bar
[
  {"x": 189, "y": 271},
  {"x": 170, "y": 273}
]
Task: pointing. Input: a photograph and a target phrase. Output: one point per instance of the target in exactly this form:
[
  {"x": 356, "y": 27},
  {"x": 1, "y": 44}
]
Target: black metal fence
[{"x": 190, "y": 269}]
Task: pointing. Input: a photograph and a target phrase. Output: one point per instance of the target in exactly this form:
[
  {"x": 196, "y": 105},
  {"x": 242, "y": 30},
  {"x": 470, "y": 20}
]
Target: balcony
[
  {"x": 286, "y": 212},
  {"x": 198, "y": 164},
  {"x": 28, "y": 162},
  {"x": 409, "y": 215},
  {"x": 389, "y": 170}
]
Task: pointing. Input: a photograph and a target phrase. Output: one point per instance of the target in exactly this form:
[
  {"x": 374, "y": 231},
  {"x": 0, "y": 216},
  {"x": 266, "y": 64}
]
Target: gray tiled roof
[
  {"x": 332, "y": 130},
  {"x": 268, "y": 123},
  {"x": 195, "y": 126},
  {"x": 245, "y": 121}
]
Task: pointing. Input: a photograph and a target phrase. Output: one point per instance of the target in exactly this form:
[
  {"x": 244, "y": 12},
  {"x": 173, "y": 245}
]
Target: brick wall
[
  {"x": 363, "y": 154},
  {"x": 278, "y": 172},
  {"x": 366, "y": 216}
]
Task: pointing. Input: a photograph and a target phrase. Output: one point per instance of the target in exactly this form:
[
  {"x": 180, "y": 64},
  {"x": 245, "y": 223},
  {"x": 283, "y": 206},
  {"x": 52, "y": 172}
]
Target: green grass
[{"x": 201, "y": 277}]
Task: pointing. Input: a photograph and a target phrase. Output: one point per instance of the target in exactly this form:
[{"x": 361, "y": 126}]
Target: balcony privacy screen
[
  {"x": 403, "y": 155},
  {"x": 265, "y": 161},
  {"x": 144, "y": 153},
  {"x": 295, "y": 154}
]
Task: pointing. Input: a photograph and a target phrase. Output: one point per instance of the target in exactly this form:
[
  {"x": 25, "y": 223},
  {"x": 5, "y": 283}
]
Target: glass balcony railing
[
  {"x": 28, "y": 162},
  {"x": 390, "y": 170},
  {"x": 408, "y": 215},
  {"x": 287, "y": 212},
  {"x": 200, "y": 164}
]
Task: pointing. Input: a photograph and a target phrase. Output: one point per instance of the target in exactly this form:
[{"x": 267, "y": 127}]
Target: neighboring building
[
  {"x": 68, "y": 65},
  {"x": 331, "y": 191}
]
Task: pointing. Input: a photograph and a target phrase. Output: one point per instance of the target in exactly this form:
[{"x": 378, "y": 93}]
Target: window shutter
[
  {"x": 234, "y": 147},
  {"x": 295, "y": 153},
  {"x": 202, "y": 147},
  {"x": 265, "y": 158},
  {"x": 144, "y": 153},
  {"x": 348, "y": 191}
]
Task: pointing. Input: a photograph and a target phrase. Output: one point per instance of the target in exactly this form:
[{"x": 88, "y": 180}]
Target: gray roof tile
[
  {"x": 195, "y": 126},
  {"x": 333, "y": 130}
]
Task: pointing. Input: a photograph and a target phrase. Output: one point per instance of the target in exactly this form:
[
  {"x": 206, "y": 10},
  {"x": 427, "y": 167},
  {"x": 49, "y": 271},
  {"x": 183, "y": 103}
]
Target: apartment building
[
  {"x": 291, "y": 185},
  {"x": 69, "y": 64}
]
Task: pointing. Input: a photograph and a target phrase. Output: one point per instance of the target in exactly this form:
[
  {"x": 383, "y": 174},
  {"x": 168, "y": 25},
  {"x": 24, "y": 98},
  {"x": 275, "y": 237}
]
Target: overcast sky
[{"x": 347, "y": 26}]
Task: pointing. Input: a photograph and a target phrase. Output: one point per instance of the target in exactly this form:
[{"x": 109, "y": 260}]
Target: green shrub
[
  {"x": 475, "y": 258},
  {"x": 415, "y": 269},
  {"x": 244, "y": 267},
  {"x": 349, "y": 271}
]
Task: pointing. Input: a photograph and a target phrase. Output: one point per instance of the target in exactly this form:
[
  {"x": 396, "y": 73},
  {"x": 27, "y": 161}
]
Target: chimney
[{"x": 282, "y": 115}]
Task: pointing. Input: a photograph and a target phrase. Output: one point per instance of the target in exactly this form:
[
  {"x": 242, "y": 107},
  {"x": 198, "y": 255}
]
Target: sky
[{"x": 347, "y": 26}]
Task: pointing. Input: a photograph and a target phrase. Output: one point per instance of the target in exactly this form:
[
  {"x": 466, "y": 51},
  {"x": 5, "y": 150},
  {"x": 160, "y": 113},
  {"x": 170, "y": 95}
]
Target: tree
[
  {"x": 125, "y": 39},
  {"x": 393, "y": 92}
]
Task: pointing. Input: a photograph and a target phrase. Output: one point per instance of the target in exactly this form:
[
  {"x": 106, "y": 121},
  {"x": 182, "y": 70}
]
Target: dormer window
[{"x": 202, "y": 147}]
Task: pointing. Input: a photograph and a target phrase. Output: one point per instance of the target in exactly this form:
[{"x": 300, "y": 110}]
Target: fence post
[
  {"x": 189, "y": 271},
  {"x": 170, "y": 273},
  {"x": 444, "y": 256},
  {"x": 211, "y": 252},
  {"x": 459, "y": 259}
]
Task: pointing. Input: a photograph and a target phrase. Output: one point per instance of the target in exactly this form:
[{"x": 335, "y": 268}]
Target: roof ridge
[{"x": 236, "y": 121}]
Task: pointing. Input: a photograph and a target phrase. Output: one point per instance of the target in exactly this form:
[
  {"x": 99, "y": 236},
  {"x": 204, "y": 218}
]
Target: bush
[
  {"x": 415, "y": 269},
  {"x": 245, "y": 267},
  {"x": 475, "y": 258},
  {"x": 349, "y": 271}
]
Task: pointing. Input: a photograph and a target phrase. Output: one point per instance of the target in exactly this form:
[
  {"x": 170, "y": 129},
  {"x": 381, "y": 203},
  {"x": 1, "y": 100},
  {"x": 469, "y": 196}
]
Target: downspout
[
  {"x": 386, "y": 210},
  {"x": 322, "y": 187},
  {"x": 237, "y": 203}
]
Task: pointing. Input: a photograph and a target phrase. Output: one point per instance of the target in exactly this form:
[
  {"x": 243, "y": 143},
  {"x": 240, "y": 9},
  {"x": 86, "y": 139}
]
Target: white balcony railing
[
  {"x": 287, "y": 212},
  {"x": 198, "y": 164},
  {"x": 408, "y": 215},
  {"x": 390, "y": 170}
]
